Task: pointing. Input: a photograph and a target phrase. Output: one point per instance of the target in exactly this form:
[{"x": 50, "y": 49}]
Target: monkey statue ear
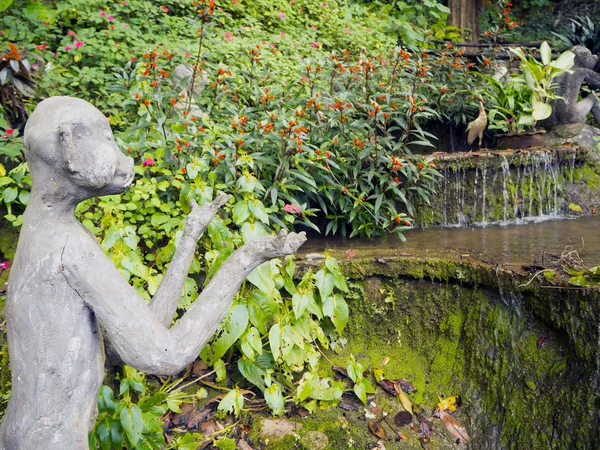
[{"x": 67, "y": 146}]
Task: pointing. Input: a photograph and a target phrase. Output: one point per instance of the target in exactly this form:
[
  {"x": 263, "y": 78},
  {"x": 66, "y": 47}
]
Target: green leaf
[
  {"x": 274, "y": 398},
  {"x": 546, "y": 53},
  {"x": 220, "y": 371},
  {"x": 324, "y": 282},
  {"x": 360, "y": 391},
  {"x": 133, "y": 423},
  {"x": 275, "y": 340},
  {"x": 235, "y": 325},
  {"x": 240, "y": 212},
  {"x": 340, "y": 314},
  {"x": 233, "y": 402},
  {"x": 300, "y": 303},
  {"x": 541, "y": 110},
  {"x": 565, "y": 61},
  {"x": 10, "y": 194},
  {"x": 225, "y": 444},
  {"x": 4, "y": 4},
  {"x": 252, "y": 372}
]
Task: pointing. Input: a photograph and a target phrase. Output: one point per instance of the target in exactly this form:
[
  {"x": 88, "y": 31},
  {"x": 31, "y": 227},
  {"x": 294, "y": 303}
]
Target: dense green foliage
[{"x": 299, "y": 111}]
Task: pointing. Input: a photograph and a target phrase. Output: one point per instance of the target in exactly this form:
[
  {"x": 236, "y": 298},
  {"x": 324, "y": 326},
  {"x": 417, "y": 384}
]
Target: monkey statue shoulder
[{"x": 63, "y": 289}]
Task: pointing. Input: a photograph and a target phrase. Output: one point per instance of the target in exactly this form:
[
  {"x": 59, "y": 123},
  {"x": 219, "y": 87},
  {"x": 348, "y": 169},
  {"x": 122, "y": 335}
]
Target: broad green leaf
[
  {"x": 274, "y": 398},
  {"x": 235, "y": 324},
  {"x": 541, "y": 110},
  {"x": 252, "y": 372},
  {"x": 324, "y": 282},
  {"x": 133, "y": 423},
  {"x": 4, "y": 4},
  {"x": 275, "y": 340},
  {"x": 546, "y": 53},
  {"x": 233, "y": 402},
  {"x": 565, "y": 61},
  {"x": 340, "y": 314}
]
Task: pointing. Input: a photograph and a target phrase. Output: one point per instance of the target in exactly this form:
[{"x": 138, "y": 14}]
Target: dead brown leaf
[
  {"x": 350, "y": 253},
  {"x": 455, "y": 428},
  {"x": 243, "y": 445},
  {"x": 403, "y": 398},
  {"x": 209, "y": 427},
  {"x": 378, "y": 430},
  {"x": 402, "y": 436},
  {"x": 406, "y": 386},
  {"x": 350, "y": 403},
  {"x": 425, "y": 430},
  {"x": 388, "y": 386},
  {"x": 199, "y": 368}
]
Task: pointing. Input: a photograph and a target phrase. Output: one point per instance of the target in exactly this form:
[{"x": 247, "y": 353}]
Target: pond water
[{"x": 509, "y": 244}]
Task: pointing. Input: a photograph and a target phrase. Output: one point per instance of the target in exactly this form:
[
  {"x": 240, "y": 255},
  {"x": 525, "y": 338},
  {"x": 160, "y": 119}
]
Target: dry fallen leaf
[
  {"x": 243, "y": 445},
  {"x": 378, "y": 430},
  {"x": 455, "y": 428},
  {"x": 388, "y": 386},
  {"x": 350, "y": 253},
  {"x": 406, "y": 386},
  {"x": 403, "y": 398},
  {"x": 402, "y": 436}
]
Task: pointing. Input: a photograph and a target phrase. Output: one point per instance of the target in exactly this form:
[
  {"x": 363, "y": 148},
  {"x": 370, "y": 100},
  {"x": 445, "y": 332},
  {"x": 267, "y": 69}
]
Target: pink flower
[
  {"x": 10, "y": 131},
  {"x": 68, "y": 47},
  {"x": 303, "y": 79},
  {"x": 347, "y": 30},
  {"x": 234, "y": 2},
  {"x": 315, "y": 44},
  {"x": 78, "y": 44},
  {"x": 71, "y": 33},
  {"x": 102, "y": 13},
  {"x": 282, "y": 34},
  {"x": 123, "y": 3},
  {"x": 314, "y": 28},
  {"x": 110, "y": 18},
  {"x": 148, "y": 162},
  {"x": 292, "y": 209},
  {"x": 228, "y": 36},
  {"x": 324, "y": 5},
  {"x": 164, "y": 8},
  {"x": 4, "y": 265},
  {"x": 41, "y": 47},
  {"x": 280, "y": 15}
]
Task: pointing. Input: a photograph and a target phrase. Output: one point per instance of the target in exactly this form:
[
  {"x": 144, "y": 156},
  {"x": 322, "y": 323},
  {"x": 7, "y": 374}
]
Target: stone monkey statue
[
  {"x": 569, "y": 109},
  {"x": 63, "y": 290}
]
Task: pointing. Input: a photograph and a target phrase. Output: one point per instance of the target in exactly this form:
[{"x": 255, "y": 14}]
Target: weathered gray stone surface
[
  {"x": 63, "y": 290},
  {"x": 575, "y": 133},
  {"x": 569, "y": 109}
]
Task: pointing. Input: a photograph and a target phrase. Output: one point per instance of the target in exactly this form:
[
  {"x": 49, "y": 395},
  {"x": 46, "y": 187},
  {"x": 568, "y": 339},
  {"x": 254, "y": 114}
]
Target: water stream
[{"x": 521, "y": 242}]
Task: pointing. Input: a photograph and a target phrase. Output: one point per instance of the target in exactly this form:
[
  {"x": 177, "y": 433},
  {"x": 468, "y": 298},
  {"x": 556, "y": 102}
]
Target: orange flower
[{"x": 13, "y": 53}]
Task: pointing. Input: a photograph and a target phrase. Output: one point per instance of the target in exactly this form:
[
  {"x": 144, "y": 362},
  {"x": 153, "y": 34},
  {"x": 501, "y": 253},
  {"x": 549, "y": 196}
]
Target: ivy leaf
[
  {"x": 340, "y": 314},
  {"x": 324, "y": 282},
  {"x": 300, "y": 303},
  {"x": 133, "y": 423}
]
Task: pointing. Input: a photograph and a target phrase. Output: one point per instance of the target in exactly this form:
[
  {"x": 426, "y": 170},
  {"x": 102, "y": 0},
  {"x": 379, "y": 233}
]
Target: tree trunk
[{"x": 465, "y": 15}]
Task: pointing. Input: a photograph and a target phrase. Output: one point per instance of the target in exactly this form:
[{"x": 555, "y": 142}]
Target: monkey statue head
[
  {"x": 70, "y": 149},
  {"x": 584, "y": 57}
]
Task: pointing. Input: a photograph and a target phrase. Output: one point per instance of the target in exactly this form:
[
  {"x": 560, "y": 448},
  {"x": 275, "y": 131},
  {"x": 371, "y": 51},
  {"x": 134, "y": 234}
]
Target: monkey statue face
[
  {"x": 584, "y": 57},
  {"x": 69, "y": 141}
]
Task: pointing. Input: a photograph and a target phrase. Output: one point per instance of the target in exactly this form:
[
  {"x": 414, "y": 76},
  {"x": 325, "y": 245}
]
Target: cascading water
[{"x": 500, "y": 188}]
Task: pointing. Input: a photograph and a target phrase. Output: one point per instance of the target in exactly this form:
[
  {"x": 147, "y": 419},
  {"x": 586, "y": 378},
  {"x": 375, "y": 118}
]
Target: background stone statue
[
  {"x": 569, "y": 109},
  {"x": 63, "y": 290}
]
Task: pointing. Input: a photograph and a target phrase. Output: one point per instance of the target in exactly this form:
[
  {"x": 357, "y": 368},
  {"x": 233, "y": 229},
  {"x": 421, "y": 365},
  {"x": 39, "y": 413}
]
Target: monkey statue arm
[
  {"x": 137, "y": 335},
  {"x": 165, "y": 300},
  {"x": 591, "y": 78}
]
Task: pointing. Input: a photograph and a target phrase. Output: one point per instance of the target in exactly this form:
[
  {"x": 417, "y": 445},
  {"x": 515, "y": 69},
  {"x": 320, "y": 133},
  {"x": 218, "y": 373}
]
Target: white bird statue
[{"x": 477, "y": 126}]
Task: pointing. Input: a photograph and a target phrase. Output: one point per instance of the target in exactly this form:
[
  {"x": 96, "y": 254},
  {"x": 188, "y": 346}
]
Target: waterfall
[
  {"x": 505, "y": 177},
  {"x": 501, "y": 187}
]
